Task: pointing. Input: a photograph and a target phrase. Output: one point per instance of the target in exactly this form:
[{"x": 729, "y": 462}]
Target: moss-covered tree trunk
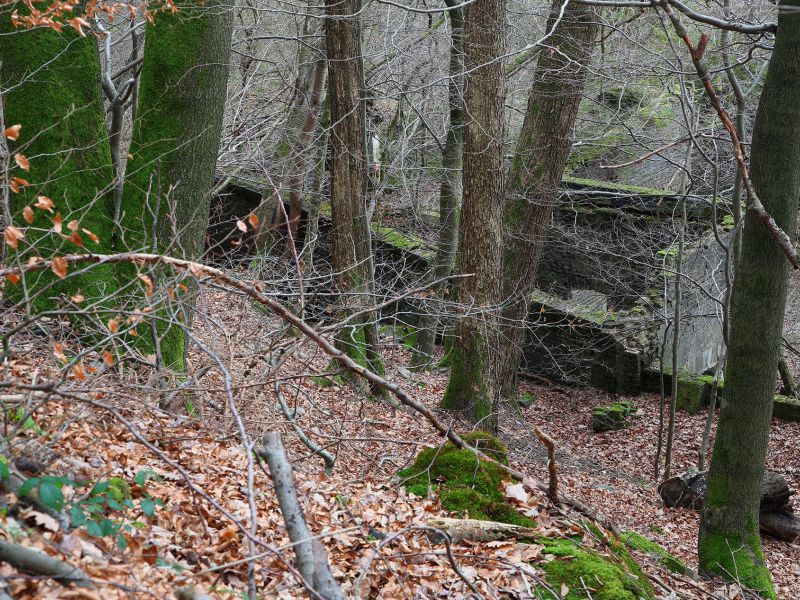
[
  {"x": 350, "y": 233},
  {"x": 449, "y": 189},
  {"x": 473, "y": 387},
  {"x": 50, "y": 84},
  {"x": 535, "y": 174},
  {"x": 175, "y": 144},
  {"x": 729, "y": 541}
]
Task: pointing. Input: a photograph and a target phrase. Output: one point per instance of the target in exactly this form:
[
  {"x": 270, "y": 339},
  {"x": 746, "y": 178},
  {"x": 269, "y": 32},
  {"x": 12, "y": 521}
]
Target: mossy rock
[
  {"x": 786, "y": 408},
  {"x": 526, "y": 400},
  {"x": 588, "y": 574},
  {"x": 647, "y": 546},
  {"x": 612, "y": 416},
  {"x": 466, "y": 485},
  {"x": 692, "y": 393}
]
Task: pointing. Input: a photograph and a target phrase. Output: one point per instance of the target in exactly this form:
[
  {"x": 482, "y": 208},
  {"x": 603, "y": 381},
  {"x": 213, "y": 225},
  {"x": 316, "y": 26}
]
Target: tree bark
[
  {"x": 175, "y": 143},
  {"x": 350, "y": 234},
  {"x": 473, "y": 386},
  {"x": 535, "y": 174},
  {"x": 53, "y": 91},
  {"x": 728, "y": 542},
  {"x": 449, "y": 190}
]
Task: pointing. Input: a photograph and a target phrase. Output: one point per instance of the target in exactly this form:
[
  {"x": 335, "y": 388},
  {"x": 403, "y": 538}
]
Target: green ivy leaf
[
  {"x": 50, "y": 495},
  {"x": 100, "y": 487},
  {"x": 27, "y": 486},
  {"x": 93, "y": 529}
]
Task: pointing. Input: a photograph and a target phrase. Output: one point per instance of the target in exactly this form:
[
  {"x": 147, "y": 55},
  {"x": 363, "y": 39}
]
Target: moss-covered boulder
[
  {"x": 647, "y": 546},
  {"x": 466, "y": 486},
  {"x": 612, "y": 416},
  {"x": 579, "y": 573},
  {"x": 693, "y": 393},
  {"x": 786, "y": 408}
]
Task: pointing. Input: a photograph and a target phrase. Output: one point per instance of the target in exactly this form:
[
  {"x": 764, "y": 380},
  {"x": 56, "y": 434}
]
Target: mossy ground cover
[
  {"x": 579, "y": 573},
  {"x": 471, "y": 488},
  {"x": 467, "y": 487},
  {"x": 645, "y": 545}
]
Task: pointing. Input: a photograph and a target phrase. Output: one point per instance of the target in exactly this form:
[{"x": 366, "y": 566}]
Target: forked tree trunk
[
  {"x": 729, "y": 544},
  {"x": 535, "y": 174},
  {"x": 350, "y": 234},
  {"x": 175, "y": 143},
  {"x": 449, "y": 190},
  {"x": 473, "y": 386},
  {"x": 54, "y": 93}
]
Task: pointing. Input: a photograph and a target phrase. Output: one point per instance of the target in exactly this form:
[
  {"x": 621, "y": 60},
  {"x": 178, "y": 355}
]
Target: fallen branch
[
  {"x": 307, "y": 442},
  {"x": 37, "y": 563},
  {"x": 474, "y": 530},
  {"x": 552, "y": 487},
  {"x": 312, "y": 562}
]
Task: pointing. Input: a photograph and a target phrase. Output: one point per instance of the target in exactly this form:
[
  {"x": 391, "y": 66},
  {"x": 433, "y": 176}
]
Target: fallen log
[
  {"x": 38, "y": 563},
  {"x": 777, "y": 517},
  {"x": 480, "y": 531}
]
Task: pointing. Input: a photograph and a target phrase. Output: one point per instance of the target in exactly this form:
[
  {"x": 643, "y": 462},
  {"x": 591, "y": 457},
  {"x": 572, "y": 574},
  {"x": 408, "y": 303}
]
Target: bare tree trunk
[
  {"x": 449, "y": 190},
  {"x": 350, "y": 236},
  {"x": 729, "y": 543},
  {"x": 535, "y": 174},
  {"x": 473, "y": 386}
]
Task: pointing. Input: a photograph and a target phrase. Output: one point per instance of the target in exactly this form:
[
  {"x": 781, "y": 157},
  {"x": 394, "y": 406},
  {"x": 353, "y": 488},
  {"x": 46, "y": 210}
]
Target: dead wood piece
[
  {"x": 312, "y": 562},
  {"x": 690, "y": 492},
  {"x": 37, "y": 563},
  {"x": 776, "y": 518},
  {"x": 190, "y": 593},
  {"x": 480, "y": 531},
  {"x": 781, "y": 525}
]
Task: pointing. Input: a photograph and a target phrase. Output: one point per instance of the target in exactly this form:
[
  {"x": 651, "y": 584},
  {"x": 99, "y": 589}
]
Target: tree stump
[{"x": 777, "y": 517}]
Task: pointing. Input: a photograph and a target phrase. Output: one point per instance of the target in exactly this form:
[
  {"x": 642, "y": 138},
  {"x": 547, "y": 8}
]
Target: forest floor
[{"x": 109, "y": 427}]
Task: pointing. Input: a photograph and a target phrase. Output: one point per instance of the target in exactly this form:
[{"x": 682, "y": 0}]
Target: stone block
[{"x": 786, "y": 408}]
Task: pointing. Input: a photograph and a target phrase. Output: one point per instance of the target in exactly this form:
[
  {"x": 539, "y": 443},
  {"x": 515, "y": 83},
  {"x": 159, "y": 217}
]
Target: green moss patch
[
  {"x": 646, "y": 546},
  {"x": 612, "y": 416},
  {"x": 588, "y": 574},
  {"x": 467, "y": 486}
]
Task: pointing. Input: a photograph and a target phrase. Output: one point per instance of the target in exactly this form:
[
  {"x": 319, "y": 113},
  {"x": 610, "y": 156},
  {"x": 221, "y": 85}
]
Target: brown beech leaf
[
  {"x": 27, "y": 214},
  {"x": 13, "y": 278},
  {"x": 113, "y": 325},
  {"x": 252, "y": 218},
  {"x": 77, "y": 298},
  {"x": 59, "y": 266},
  {"x": 58, "y": 351},
  {"x": 148, "y": 284},
  {"x": 73, "y": 225},
  {"x": 12, "y": 132},
  {"x": 76, "y": 238},
  {"x": 108, "y": 358},
  {"x": 13, "y": 235},
  {"x": 79, "y": 373},
  {"x": 44, "y": 203},
  {"x": 91, "y": 235},
  {"x": 240, "y": 225},
  {"x": 22, "y": 161},
  {"x": 57, "y": 223}
]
